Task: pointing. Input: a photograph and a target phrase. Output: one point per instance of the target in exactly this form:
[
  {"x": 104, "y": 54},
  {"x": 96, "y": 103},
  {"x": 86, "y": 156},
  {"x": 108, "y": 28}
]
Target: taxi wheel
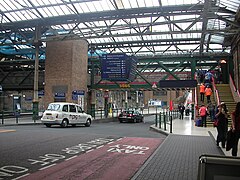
[
  {"x": 64, "y": 123},
  {"x": 88, "y": 123},
  {"x": 48, "y": 125},
  {"x": 135, "y": 120}
]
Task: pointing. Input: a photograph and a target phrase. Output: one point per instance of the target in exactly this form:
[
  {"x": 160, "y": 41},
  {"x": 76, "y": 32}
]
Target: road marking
[
  {"x": 47, "y": 167},
  {"x": 89, "y": 150},
  {"x": 99, "y": 147},
  {"x": 70, "y": 158},
  {"x": 8, "y": 130},
  {"x": 21, "y": 176}
]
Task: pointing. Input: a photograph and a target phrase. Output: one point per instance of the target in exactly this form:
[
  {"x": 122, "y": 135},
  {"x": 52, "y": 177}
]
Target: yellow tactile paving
[{"x": 7, "y": 130}]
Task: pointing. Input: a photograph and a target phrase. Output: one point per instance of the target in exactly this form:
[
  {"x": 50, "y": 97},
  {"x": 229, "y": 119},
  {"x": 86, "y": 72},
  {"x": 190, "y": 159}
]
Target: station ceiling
[
  {"x": 145, "y": 28},
  {"x": 165, "y": 35}
]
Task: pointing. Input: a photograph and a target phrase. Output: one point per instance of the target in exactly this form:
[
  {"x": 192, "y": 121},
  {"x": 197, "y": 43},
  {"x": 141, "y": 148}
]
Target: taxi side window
[
  {"x": 79, "y": 109},
  {"x": 65, "y": 108},
  {"x": 72, "y": 108}
]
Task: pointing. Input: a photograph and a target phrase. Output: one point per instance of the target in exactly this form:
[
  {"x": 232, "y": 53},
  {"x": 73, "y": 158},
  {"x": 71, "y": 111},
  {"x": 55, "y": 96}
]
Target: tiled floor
[{"x": 187, "y": 127}]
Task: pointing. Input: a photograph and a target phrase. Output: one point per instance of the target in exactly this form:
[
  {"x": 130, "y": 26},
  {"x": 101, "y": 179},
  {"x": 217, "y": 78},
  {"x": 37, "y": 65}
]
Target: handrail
[
  {"x": 215, "y": 91},
  {"x": 234, "y": 90},
  {"x": 195, "y": 91}
]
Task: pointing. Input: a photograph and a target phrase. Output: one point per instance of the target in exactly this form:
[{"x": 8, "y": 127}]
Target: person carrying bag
[
  {"x": 235, "y": 129},
  {"x": 221, "y": 126}
]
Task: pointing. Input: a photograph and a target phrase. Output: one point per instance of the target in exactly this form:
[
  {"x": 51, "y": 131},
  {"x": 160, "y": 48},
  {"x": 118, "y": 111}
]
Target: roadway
[{"x": 102, "y": 151}]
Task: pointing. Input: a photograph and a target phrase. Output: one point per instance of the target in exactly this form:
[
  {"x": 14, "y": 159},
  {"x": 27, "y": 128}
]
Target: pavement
[{"x": 178, "y": 156}]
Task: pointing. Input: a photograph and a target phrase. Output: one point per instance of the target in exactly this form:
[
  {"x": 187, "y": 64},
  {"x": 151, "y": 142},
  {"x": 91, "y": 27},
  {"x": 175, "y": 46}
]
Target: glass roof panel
[
  {"x": 177, "y": 2},
  {"x": 134, "y": 4},
  {"x": 126, "y": 4},
  {"x": 142, "y": 3},
  {"x": 131, "y": 28},
  {"x": 85, "y": 8}
]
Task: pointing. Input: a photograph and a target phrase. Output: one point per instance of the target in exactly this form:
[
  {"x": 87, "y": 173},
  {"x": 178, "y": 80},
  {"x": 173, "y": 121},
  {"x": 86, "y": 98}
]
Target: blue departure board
[{"x": 118, "y": 67}]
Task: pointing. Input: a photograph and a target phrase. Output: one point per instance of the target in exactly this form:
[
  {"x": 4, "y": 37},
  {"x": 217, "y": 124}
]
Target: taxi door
[
  {"x": 81, "y": 116},
  {"x": 73, "y": 115}
]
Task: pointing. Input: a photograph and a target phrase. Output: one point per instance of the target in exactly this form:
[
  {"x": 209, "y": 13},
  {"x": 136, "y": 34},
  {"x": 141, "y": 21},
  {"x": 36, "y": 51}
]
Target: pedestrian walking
[
  {"x": 181, "y": 110},
  {"x": 203, "y": 114},
  {"x": 236, "y": 128},
  {"x": 211, "y": 111},
  {"x": 208, "y": 93},
  {"x": 221, "y": 116},
  {"x": 202, "y": 92}
]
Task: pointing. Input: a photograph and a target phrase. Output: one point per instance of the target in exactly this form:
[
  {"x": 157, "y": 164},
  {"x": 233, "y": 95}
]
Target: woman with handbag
[
  {"x": 222, "y": 125},
  {"x": 236, "y": 128}
]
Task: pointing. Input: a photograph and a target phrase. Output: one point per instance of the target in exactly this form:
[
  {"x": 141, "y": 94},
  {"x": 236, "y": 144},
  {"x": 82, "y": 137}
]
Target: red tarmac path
[{"x": 118, "y": 160}]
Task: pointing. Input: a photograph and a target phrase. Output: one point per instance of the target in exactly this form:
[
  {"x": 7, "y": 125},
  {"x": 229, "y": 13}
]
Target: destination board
[{"x": 118, "y": 67}]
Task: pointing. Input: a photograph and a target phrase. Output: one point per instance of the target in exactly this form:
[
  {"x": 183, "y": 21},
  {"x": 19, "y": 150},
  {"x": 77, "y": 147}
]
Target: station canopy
[{"x": 136, "y": 27}]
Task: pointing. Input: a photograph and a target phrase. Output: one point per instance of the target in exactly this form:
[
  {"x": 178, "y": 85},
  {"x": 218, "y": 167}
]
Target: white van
[{"x": 64, "y": 114}]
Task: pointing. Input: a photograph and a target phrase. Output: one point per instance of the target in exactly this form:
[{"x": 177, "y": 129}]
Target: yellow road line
[{"x": 7, "y": 130}]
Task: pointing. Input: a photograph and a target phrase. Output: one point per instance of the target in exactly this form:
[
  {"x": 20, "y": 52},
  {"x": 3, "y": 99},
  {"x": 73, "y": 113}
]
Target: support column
[
  {"x": 193, "y": 68},
  {"x": 35, "y": 91},
  {"x": 92, "y": 92},
  {"x": 66, "y": 71},
  {"x": 137, "y": 100},
  {"x": 126, "y": 99}
]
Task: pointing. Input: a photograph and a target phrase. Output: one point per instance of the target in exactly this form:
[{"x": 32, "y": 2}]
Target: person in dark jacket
[
  {"x": 221, "y": 116},
  {"x": 236, "y": 128},
  {"x": 181, "y": 109}
]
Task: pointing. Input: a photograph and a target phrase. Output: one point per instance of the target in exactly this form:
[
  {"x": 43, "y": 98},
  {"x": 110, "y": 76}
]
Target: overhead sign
[
  {"x": 177, "y": 83},
  {"x": 77, "y": 93},
  {"x": 59, "y": 95},
  {"x": 118, "y": 67}
]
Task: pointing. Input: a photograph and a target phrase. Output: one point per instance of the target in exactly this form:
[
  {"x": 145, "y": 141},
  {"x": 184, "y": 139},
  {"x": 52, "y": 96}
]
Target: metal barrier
[
  {"x": 165, "y": 118},
  {"x": 10, "y": 117},
  {"x": 13, "y": 116}
]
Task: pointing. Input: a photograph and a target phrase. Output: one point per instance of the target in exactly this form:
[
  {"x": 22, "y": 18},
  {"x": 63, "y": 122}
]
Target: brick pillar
[{"x": 66, "y": 69}]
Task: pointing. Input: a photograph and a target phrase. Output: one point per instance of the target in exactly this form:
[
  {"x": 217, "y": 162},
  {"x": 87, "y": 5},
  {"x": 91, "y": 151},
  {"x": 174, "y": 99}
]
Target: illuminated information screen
[{"x": 118, "y": 67}]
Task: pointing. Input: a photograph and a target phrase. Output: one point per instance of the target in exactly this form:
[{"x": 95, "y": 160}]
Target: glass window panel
[
  {"x": 120, "y": 4},
  {"x": 141, "y": 3},
  {"x": 133, "y": 4},
  {"x": 79, "y": 8},
  {"x": 49, "y": 13},
  {"x": 14, "y": 6},
  {"x": 155, "y": 2},
  {"x": 126, "y": 4},
  {"x": 107, "y": 3},
  {"x": 144, "y": 20},
  {"x": 52, "y": 11},
  {"x": 84, "y": 7},
  {"x": 99, "y": 7},
  {"x": 66, "y": 9},
  {"x": 38, "y": 3},
  {"x": 91, "y": 7},
  {"x": 44, "y": 12},
  {"x": 14, "y": 16}
]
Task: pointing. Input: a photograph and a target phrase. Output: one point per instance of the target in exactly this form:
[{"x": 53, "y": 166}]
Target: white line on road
[
  {"x": 89, "y": 150},
  {"x": 99, "y": 147},
  {"x": 47, "y": 167},
  {"x": 21, "y": 176},
  {"x": 70, "y": 158}
]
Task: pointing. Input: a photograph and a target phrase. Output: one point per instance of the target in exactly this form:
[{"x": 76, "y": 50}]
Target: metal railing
[
  {"x": 165, "y": 118},
  {"x": 235, "y": 92},
  {"x": 11, "y": 117},
  {"x": 215, "y": 92}
]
